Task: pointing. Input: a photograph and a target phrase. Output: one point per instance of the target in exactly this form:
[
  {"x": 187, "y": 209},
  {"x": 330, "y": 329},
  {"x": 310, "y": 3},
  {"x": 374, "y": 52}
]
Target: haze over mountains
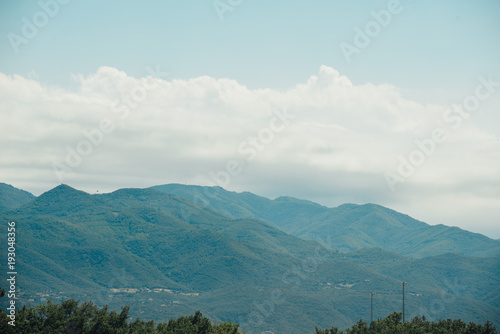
[{"x": 284, "y": 265}]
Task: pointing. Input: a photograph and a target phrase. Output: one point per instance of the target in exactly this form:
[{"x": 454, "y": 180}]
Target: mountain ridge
[
  {"x": 12, "y": 197},
  {"x": 348, "y": 226}
]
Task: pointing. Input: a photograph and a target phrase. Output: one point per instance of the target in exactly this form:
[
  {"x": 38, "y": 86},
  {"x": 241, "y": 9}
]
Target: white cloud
[{"x": 344, "y": 137}]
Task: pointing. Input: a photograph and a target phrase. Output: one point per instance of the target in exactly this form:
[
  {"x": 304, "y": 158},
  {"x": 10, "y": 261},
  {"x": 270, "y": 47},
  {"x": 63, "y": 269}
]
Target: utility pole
[
  {"x": 371, "y": 307},
  {"x": 404, "y": 283}
]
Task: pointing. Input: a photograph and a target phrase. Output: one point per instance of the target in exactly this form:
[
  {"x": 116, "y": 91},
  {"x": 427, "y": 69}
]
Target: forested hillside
[
  {"x": 167, "y": 256},
  {"x": 347, "y": 227},
  {"x": 11, "y": 197}
]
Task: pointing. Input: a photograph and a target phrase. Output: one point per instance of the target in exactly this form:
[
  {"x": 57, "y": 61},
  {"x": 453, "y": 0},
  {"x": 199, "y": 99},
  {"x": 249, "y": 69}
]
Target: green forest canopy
[{"x": 71, "y": 317}]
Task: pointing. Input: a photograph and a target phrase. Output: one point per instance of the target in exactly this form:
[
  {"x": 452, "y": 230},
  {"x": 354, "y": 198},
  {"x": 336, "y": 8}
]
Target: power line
[
  {"x": 371, "y": 306},
  {"x": 404, "y": 283}
]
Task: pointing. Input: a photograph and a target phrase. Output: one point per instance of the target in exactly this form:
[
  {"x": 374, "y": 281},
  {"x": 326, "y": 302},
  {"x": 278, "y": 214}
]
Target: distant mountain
[
  {"x": 361, "y": 226},
  {"x": 166, "y": 256},
  {"x": 11, "y": 197},
  {"x": 348, "y": 227}
]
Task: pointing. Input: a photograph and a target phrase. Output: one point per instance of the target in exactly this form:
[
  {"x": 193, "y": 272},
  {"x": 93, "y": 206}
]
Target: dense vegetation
[
  {"x": 71, "y": 317},
  {"x": 166, "y": 256},
  {"x": 393, "y": 325}
]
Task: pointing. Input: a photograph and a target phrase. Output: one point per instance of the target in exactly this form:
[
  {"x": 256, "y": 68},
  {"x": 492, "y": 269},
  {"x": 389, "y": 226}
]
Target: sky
[{"x": 387, "y": 102}]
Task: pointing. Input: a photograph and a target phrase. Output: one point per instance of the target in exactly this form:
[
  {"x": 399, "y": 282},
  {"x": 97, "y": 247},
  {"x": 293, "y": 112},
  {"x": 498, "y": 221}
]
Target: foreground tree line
[
  {"x": 393, "y": 325},
  {"x": 70, "y": 317}
]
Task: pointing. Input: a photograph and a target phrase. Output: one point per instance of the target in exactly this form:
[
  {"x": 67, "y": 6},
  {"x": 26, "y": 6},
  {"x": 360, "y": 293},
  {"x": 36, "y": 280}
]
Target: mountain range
[
  {"x": 348, "y": 227},
  {"x": 284, "y": 265}
]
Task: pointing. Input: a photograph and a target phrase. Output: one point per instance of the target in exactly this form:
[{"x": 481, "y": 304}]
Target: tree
[
  {"x": 70, "y": 317},
  {"x": 333, "y": 330},
  {"x": 226, "y": 328},
  {"x": 392, "y": 325}
]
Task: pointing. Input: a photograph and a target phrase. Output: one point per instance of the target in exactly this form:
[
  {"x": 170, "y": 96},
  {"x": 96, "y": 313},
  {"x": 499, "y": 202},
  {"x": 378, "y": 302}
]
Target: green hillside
[
  {"x": 347, "y": 227},
  {"x": 167, "y": 256},
  {"x": 11, "y": 197}
]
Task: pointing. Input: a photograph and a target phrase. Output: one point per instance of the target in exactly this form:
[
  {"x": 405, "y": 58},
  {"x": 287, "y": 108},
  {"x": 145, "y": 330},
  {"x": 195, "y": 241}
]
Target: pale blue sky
[{"x": 429, "y": 47}]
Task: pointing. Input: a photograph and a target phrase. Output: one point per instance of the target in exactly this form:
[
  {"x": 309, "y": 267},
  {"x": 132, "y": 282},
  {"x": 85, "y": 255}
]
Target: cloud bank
[{"x": 326, "y": 140}]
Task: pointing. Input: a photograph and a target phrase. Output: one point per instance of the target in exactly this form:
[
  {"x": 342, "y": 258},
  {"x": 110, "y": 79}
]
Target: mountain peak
[
  {"x": 64, "y": 189},
  {"x": 63, "y": 186},
  {"x": 63, "y": 198}
]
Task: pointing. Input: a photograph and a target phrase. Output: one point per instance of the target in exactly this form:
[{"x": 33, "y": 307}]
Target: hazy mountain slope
[
  {"x": 254, "y": 232},
  {"x": 247, "y": 205},
  {"x": 464, "y": 271},
  {"x": 11, "y": 197},
  {"x": 72, "y": 238},
  {"x": 347, "y": 227},
  {"x": 355, "y": 227},
  {"x": 458, "y": 279},
  {"x": 80, "y": 227}
]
